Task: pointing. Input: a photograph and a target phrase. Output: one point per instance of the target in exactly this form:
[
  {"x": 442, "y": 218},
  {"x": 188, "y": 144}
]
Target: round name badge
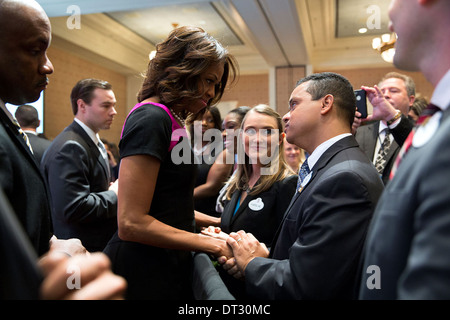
[{"x": 256, "y": 204}]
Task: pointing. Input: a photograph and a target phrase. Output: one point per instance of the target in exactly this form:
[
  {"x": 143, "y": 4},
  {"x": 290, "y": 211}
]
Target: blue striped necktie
[{"x": 302, "y": 173}]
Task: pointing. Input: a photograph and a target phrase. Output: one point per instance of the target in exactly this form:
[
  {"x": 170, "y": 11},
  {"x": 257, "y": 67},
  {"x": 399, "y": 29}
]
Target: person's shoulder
[
  {"x": 148, "y": 117},
  {"x": 44, "y": 141},
  {"x": 288, "y": 182},
  {"x": 368, "y": 126},
  {"x": 151, "y": 111},
  {"x": 73, "y": 132},
  {"x": 289, "y": 179}
]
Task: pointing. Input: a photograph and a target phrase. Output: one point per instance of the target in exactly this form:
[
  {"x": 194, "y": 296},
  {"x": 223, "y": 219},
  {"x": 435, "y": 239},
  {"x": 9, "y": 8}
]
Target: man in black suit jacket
[
  {"x": 398, "y": 92},
  {"x": 28, "y": 119},
  {"x": 408, "y": 244},
  {"x": 25, "y": 34},
  {"x": 84, "y": 201},
  {"x": 22, "y": 78},
  {"x": 318, "y": 247},
  {"x": 23, "y": 184}
]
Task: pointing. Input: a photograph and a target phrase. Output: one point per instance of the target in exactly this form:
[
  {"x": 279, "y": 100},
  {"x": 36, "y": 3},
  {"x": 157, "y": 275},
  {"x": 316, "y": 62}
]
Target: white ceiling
[{"x": 262, "y": 34}]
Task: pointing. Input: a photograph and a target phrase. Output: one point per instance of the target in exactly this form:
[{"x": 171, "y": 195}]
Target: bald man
[{"x": 25, "y": 35}]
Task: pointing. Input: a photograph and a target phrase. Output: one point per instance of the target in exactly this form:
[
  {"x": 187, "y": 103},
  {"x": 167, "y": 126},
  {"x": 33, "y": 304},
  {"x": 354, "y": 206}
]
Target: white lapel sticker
[{"x": 256, "y": 204}]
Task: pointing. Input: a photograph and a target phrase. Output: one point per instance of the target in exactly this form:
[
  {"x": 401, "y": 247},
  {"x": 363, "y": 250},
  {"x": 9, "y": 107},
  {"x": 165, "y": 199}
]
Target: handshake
[{"x": 245, "y": 247}]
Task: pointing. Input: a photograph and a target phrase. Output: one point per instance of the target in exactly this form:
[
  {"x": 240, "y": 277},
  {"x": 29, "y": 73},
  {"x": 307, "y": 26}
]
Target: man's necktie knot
[
  {"x": 302, "y": 173},
  {"x": 380, "y": 161}
]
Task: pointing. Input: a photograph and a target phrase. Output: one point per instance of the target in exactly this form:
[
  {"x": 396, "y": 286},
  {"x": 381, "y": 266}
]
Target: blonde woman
[
  {"x": 261, "y": 189},
  {"x": 294, "y": 155}
]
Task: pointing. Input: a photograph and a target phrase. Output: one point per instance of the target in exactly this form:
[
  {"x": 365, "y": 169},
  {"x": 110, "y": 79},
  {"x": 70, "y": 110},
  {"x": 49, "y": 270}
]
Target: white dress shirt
[
  {"x": 95, "y": 138},
  {"x": 324, "y": 146}
]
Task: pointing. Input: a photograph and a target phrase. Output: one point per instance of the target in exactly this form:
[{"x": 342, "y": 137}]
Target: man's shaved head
[{"x": 25, "y": 34}]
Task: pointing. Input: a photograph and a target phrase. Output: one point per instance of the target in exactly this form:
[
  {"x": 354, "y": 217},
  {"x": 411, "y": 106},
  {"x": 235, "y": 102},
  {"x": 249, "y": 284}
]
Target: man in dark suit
[
  {"x": 28, "y": 119},
  {"x": 408, "y": 244},
  {"x": 84, "y": 201},
  {"x": 25, "y": 34},
  {"x": 318, "y": 247},
  {"x": 22, "y": 78},
  {"x": 398, "y": 92}
]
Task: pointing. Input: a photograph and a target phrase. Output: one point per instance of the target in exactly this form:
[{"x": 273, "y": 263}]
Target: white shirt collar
[
  {"x": 320, "y": 150},
  {"x": 94, "y": 136},
  {"x": 441, "y": 94},
  {"x": 382, "y": 127},
  {"x": 30, "y": 132}
]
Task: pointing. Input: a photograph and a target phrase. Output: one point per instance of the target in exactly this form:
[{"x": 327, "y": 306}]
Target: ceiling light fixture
[{"x": 385, "y": 45}]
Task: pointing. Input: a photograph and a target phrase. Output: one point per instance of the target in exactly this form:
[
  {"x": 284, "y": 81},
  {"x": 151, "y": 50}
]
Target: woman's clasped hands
[{"x": 245, "y": 248}]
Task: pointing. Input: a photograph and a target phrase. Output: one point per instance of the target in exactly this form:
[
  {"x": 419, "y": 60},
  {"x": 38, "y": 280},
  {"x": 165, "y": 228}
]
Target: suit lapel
[
  {"x": 392, "y": 150},
  {"x": 372, "y": 139},
  {"x": 345, "y": 143},
  {"x": 227, "y": 215},
  {"x": 234, "y": 201},
  {"x": 18, "y": 139},
  {"x": 94, "y": 151}
]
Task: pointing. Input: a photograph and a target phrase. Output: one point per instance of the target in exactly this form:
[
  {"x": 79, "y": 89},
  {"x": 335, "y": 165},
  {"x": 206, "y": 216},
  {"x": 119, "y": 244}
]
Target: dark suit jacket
[
  {"x": 39, "y": 145},
  {"x": 318, "y": 248},
  {"x": 24, "y": 185},
  {"x": 262, "y": 223},
  {"x": 367, "y": 139},
  {"x": 20, "y": 277},
  {"x": 409, "y": 238},
  {"x": 78, "y": 178}
]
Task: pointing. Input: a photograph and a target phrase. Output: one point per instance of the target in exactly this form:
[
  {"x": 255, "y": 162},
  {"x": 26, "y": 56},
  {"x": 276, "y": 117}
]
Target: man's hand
[
  {"x": 382, "y": 108},
  {"x": 245, "y": 248},
  {"x": 114, "y": 186},
  {"x": 70, "y": 247},
  {"x": 96, "y": 280}
]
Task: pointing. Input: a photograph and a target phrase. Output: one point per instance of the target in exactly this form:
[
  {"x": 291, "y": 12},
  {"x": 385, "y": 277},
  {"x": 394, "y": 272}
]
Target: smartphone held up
[{"x": 361, "y": 102}]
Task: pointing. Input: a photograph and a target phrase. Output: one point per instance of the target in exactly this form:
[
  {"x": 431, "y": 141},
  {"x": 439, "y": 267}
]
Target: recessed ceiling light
[{"x": 362, "y": 30}]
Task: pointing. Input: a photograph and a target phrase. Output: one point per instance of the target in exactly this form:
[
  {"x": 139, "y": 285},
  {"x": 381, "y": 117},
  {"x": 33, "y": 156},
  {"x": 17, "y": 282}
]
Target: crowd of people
[{"x": 315, "y": 204}]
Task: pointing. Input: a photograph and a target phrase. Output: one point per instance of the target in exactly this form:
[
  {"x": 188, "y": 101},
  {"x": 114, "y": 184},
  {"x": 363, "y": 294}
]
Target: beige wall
[
  {"x": 249, "y": 90},
  {"x": 370, "y": 77},
  {"x": 69, "y": 69},
  {"x": 286, "y": 78}
]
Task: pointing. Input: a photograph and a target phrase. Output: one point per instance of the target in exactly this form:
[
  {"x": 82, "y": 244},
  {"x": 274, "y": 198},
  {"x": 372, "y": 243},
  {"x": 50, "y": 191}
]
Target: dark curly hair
[{"x": 173, "y": 74}]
